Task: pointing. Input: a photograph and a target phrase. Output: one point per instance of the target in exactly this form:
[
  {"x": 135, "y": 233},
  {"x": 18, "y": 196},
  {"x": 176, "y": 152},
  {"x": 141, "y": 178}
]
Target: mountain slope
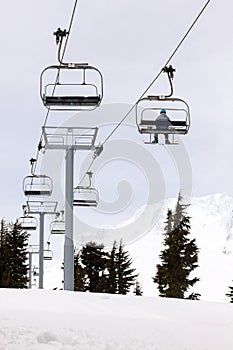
[{"x": 211, "y": 225}]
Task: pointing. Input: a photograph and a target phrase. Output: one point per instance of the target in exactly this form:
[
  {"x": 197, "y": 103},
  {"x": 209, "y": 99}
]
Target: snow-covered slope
[
  {"x": 58, "y": 320},
  {"x": 211, "y": 225},
  {"x": 61, "y": 320}
]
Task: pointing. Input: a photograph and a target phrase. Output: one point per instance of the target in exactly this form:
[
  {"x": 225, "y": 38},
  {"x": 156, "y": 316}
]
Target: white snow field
[{"x": 61, "y": 320}]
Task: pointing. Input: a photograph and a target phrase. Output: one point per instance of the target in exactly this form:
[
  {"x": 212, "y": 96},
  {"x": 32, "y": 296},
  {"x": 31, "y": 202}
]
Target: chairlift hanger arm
[
  {"x": 32, "y": 163},
  {"x": 60, "y": 35},
  {"x": 170, "y": 74}
]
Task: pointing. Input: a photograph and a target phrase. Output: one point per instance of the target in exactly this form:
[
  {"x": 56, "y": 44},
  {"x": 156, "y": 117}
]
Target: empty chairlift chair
[
  {"x": 48, "y": 254},
  {"x": 37, "y": 185},
  {"x": 57, "y": 226},
  {"x": 86, "y": 196},
  {"x": 80, "y": 87},
  {"x": 28, "y": 223}
]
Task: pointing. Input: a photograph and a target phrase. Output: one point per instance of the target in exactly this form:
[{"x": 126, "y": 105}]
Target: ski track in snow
[{"x": 19, "y": 338}]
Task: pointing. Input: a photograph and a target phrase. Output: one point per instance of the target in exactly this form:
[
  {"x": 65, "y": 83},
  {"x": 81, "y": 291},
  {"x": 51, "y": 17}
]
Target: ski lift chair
[
  {"x": 148, "y": 111},
  {"x": 83, "y": 92},
  {"x": 176, "y": 110},
  {"x": 48, "y": 254},
  {"x": 57, "y": 227},
  {"x": 28, "y": 223},
  {"x": 86, "y": 197},
  {"x": 37, "y": 185}
]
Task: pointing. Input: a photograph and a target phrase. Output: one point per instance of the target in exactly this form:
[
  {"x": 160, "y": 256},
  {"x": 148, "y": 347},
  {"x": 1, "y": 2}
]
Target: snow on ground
[{"x": 59, "y": 320}]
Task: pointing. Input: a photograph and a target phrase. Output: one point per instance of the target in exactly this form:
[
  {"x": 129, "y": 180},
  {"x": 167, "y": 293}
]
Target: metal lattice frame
[{"x": 77, "y": 138}]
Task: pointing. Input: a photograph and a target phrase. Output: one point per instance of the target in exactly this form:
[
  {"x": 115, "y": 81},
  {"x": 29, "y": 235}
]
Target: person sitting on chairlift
[{"x": 162, "y": 122}]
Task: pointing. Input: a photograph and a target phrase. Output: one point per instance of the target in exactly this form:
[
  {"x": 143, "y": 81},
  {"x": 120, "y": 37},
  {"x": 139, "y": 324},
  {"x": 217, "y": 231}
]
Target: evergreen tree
[
  {"x": 4, "y": 256},
  {"x": 17, "y": 241},
  {"x": 111, "y": 282},
  {"x": 138, "y": 289},
  {"x": 98, "y": 271},
  {"x": 80, "y": 282},
  {"x": 94, "y": 261},
  {"x": 180, "y": 211},
  {"x": 194, "y": 296},
  {"x": 230, "y": 294},
  {"x": 180, "y": 256},
  {"x": 13, "y": 256},
  {"x": 125, "y": 273}
]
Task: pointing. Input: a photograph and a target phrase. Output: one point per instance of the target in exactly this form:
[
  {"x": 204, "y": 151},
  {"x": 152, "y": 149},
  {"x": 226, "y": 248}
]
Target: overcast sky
[{"x": 129, "y": 41}]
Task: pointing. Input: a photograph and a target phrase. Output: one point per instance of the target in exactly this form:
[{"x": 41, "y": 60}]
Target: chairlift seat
[
  {"x": 48, "y": 255},
  {"x": 28, "y": 227},
  {"x": 85, "y": 203},
  {"x": 163, "y": 131},
  {"x": 178, "y": 123},
  {"x": 174, "y": 127},
  {"x": 72, "y": 100},
  {"x": 38, "y": 192},
  {"x": 172, "y": 122},
  {"x": 147, "y": 122},
  {"x": 57, "y": 232},
  {"x": 48, "y": 258}
]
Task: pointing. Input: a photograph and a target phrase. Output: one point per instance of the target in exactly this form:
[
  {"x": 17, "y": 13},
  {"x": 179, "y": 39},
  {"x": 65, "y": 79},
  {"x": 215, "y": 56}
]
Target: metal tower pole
[
  {"x": 41, "y": 251},
  {"x": 30, "y": 270},
  {"x": 69, "y": 139},
  {"x": 69, "y": 244}
]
